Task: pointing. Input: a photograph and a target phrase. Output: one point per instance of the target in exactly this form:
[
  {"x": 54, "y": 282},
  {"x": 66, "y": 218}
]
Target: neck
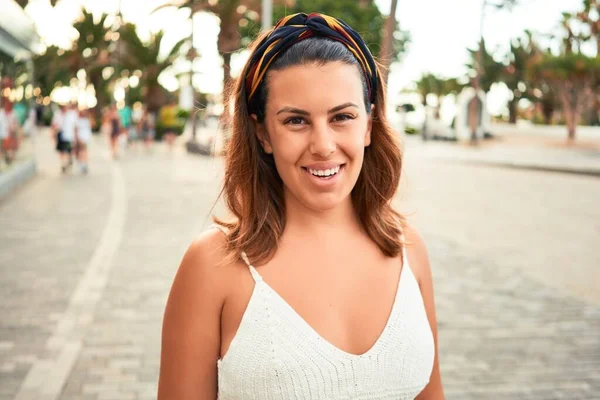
[{"x": 321, "y": 224}]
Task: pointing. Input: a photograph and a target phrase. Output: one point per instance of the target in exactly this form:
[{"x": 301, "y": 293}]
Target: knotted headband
[{"x": 296, "y": 27}]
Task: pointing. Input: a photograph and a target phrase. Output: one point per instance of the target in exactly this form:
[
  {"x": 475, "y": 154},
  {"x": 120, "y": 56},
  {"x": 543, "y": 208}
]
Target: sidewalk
[
  {"x": 532, "y": 153},
  {"x": 87, "y": 263},
  {"x": 21, "y": 170}
]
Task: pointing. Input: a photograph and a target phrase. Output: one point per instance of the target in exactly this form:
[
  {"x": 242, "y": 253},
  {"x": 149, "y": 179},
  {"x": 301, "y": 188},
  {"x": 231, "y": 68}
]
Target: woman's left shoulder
[{"x": 416, "y": 253}]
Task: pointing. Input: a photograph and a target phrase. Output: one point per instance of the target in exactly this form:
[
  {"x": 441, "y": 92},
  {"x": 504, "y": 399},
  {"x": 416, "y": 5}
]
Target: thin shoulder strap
[
  {"x": 255, "y": 275},
  {"x": 253, "y": 271}
]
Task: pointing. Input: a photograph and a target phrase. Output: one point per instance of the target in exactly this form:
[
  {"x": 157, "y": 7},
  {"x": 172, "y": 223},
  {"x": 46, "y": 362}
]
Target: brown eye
[
  {"x": 343, "y": 117},
  {"x": 295, "y": 121}
]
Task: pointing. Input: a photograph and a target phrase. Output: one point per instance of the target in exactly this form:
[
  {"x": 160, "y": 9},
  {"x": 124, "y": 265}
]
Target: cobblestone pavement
[{"x": 86, "y": 264}]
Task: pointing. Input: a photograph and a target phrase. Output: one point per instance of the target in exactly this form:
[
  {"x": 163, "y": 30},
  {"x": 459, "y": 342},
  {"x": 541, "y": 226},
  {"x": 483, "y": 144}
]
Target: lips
[{"x": 324, "y": 172}]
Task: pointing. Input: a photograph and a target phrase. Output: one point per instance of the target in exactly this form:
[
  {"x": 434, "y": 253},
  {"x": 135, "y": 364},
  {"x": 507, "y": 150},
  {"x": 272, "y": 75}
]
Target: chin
[{"x": 324, "y": 201}]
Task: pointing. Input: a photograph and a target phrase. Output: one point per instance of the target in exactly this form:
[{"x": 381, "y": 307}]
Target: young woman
[{"x": 318, "y": 288}]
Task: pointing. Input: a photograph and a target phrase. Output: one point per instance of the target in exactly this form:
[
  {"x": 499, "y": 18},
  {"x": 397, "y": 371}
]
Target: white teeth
[{"x": 324, "y": 172}]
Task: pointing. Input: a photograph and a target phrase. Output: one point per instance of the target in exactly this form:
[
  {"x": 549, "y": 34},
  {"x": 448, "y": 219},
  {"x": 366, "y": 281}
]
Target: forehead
[{"x": 313, "y": 86}]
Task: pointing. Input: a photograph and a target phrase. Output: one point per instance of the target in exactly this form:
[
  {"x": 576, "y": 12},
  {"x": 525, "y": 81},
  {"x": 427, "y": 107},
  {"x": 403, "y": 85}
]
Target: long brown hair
[{"x": 253, "y": 190}]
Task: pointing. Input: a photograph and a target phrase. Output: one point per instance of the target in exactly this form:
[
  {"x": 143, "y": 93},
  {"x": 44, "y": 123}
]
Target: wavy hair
[{"x": 254, "y": 192}]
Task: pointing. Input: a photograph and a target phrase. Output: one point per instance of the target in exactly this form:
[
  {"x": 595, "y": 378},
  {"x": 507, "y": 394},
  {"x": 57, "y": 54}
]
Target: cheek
[
  {"x": 287, "y": 148},
  {"x": 353, "y": 144}
]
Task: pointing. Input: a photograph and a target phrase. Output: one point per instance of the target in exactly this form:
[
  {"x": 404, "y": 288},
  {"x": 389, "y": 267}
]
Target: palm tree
[
  {"x": 91, "y": 51},
  {"x": 480, "y": 62},
  {"x": 387, "y": 40},
  {"x": 489, "y": 71},
  {"x": 50, "y": 68},
  {"x": 440, "y": 87},
  {"x": 135, "y": 54},
  {"x": 593, "y": 23},
  {"x": 570, "y": 75},
  {"x": 514, "y": 73},
  {"x": 230, "y": 12}
]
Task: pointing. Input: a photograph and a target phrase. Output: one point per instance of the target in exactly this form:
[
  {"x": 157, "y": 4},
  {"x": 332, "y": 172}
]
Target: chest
[
  {"x": 330, "y": 354},
  {"x": 346, "y": 299}
]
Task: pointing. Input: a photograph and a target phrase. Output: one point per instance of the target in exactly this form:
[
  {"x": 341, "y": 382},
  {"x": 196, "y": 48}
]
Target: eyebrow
[{"x": 304, "y": 112}]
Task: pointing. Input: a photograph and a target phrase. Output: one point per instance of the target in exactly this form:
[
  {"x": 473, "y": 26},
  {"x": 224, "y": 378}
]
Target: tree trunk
[
  {"x": 548, "y": 111},
  {"x": 385, "y": 57},
  {"x": 569, "y": 109},
  {"x": 155, "y": 97},
  {"x": 512, "y": 110},
  {"x": 594, "y": 112},
  {"x": 571, "y": 128},
  {"x": 101, "y": 100}
]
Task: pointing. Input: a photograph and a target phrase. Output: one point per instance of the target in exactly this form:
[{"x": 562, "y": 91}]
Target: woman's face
[{"x": 317, "y": 128}]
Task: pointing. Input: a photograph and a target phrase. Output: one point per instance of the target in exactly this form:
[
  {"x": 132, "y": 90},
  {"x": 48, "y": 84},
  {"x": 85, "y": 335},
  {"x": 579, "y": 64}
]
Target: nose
[{"x": 322, "y": 140}]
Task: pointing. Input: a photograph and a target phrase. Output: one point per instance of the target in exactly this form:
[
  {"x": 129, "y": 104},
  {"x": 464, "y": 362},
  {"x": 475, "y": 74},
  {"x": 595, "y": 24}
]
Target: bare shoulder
[
  {"x": 416, "y": 252},
  {"x": 191, "y": 324},
  {"x": 206, "y": 252},
  {"x": 202, "y": 263}
]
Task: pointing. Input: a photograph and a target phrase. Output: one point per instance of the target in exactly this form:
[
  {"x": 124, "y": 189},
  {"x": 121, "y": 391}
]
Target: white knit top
[{"x": 277, "y": 355}]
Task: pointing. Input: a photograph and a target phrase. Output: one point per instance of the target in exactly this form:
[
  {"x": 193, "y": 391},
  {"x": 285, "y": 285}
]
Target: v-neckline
[{"x": 303, "y": 324}]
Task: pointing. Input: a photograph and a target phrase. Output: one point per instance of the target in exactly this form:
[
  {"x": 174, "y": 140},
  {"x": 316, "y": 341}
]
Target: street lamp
[
  {"x": 475, "y": 106},
  {"x": 267, "y": 14}
]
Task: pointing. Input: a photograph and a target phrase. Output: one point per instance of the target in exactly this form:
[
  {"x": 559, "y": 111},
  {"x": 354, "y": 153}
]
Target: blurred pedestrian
[
  {"x": 317, "y": 288},
  {"x": 63, "y": 147},
  {"x": 148, "y": 127},
  {"x": 115, "y": 130},
  {"x": 105, "y": 124},
  {"x": 168, "y": 115},
  {"x": 9, "y": 131},
  {"x": 125, "y": 115},
  {"x": 82, "y": 139},
  {"x": 69, "y": 125}
]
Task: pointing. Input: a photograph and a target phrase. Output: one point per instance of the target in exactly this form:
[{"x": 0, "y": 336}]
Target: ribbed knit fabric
[{"x": 276, "y": 355}]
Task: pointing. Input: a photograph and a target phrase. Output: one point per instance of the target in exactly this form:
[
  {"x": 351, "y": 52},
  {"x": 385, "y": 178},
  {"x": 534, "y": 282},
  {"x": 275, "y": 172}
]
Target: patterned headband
[{"x": 296, "y": 27}]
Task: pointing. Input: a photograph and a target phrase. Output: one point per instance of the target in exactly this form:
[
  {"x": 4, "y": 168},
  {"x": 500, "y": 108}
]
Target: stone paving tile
[
  {"x": 122, "y": 348},
  {"x": 52, "y": 228},
  {"x": 503, "y": 335}
]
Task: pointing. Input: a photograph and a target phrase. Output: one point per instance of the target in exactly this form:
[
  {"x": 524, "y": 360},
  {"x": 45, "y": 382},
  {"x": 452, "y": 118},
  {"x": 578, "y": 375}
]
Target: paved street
[{"x": 86, "y": 263}]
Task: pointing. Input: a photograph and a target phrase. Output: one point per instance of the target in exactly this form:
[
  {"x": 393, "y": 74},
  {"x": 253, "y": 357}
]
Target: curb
[
  {"x": 16, "y": 176},
  {"x": 530, "y": 167}
]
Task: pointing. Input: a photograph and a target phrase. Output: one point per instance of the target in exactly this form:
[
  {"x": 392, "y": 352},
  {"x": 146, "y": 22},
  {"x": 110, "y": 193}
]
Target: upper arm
[
  {"x": 422, "y": 270},
  {"x": 191, "y": 325}
]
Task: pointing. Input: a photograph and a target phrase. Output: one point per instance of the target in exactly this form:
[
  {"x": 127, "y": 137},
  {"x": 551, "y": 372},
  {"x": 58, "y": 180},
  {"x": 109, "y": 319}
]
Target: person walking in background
[
  {"x": 83, "y": 136},
  {"x": 105, "y": 127},
  {"x": 69, "y": 125},
  {"x": 63, "y": 147},
  {"x": 148, "y": 127},
  {"x": 115, "y": 131},
  {"x": 135, "y": 134},
  {"x": 9, "y": 131},
  {"x": 125, "y": 115},
  {"x": 168, "y": 116},
  {"x": 316, "y": 287}
]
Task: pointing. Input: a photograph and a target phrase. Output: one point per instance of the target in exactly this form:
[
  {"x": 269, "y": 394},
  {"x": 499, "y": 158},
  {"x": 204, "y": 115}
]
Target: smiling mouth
[{"x": 324, "y": 173}]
